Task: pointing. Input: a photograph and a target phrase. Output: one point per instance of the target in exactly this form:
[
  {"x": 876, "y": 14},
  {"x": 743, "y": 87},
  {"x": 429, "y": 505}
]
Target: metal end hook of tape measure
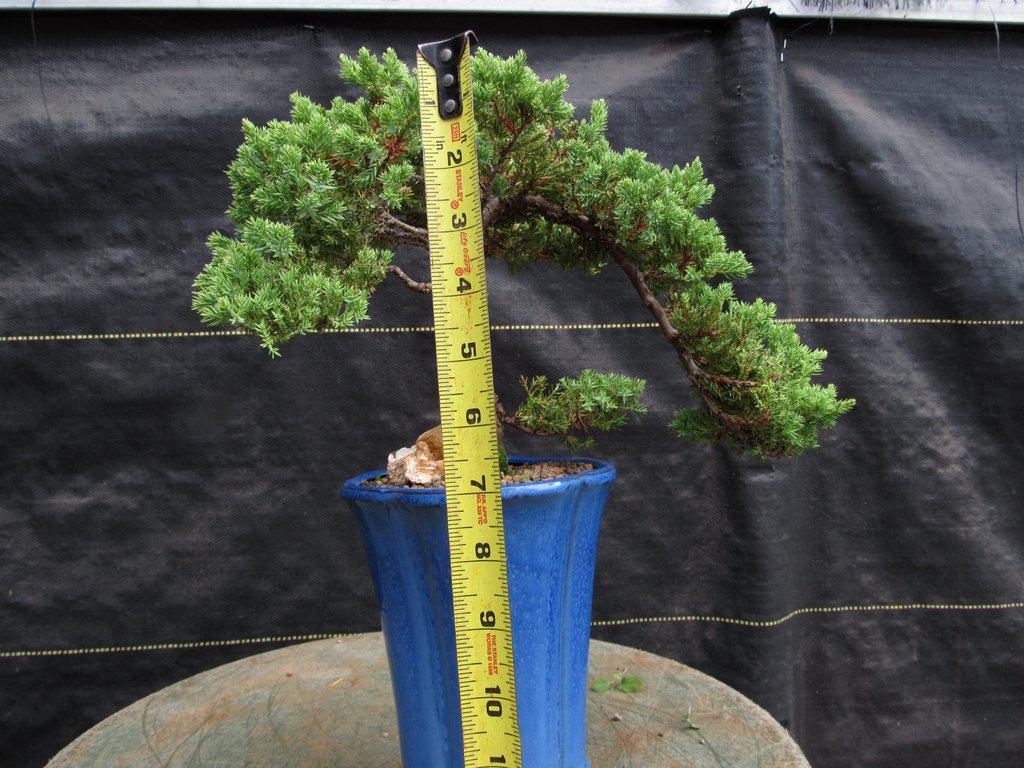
[{"x": 444, "y": 56}]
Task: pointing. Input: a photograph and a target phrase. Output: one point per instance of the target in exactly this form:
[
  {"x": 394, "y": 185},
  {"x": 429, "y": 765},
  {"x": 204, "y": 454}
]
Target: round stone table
[{"x": 327, "y": 704}]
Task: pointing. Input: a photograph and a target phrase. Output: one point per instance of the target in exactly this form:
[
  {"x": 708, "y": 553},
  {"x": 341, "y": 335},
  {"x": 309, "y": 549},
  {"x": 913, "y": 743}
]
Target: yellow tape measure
[{"x": 476, "y": 533}]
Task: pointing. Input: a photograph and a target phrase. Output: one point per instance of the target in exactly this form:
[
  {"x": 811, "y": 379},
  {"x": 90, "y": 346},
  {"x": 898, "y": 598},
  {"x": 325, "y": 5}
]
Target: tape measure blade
[{"x": 483, "y": 628}]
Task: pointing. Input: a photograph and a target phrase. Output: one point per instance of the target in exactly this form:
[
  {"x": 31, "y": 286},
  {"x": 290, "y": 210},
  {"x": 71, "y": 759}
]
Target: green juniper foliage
[
  {"x": 573, "y": 406},
  {"x": 319, "y": 200}
]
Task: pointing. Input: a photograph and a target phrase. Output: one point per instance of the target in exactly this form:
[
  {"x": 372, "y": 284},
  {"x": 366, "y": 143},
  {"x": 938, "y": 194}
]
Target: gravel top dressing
[{"x": 518, "y": 473}]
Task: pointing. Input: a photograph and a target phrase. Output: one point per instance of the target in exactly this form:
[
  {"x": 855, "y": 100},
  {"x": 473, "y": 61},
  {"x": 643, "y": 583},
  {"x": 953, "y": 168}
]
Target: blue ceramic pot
[{"x": 551, "y": 537}]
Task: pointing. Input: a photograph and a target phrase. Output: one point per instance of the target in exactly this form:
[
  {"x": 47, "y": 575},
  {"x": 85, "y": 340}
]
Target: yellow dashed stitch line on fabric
[
  {"x": 366, "y": 329},
  {"x": 762, "y": 623},
  {"x": 768, "y": 623},
  {"x": 894, "y": 321},
  {"x": 142, "y": 335},
  {"x": 176, "y": 646},
  {"x": 191, "y": 334}
]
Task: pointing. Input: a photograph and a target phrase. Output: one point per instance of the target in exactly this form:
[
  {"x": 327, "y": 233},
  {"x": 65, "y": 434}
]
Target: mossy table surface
[{"x": 327, "y": 704}]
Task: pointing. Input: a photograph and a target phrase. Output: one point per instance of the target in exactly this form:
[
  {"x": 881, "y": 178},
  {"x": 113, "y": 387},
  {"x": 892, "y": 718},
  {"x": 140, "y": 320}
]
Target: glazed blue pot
[{"x": 551, "y": 537}]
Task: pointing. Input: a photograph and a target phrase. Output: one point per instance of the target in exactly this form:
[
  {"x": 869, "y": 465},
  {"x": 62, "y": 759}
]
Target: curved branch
[
  {"x": 507, "y": 419},
  {"x": 496, "y": 167},
  {"x": 729, "y": 381},
  {"x": 412, "y": 285},
  {"x": 494, "y": 208},
  {"x": 397, "y": 231},
  {"x": 583, "y": 224}
]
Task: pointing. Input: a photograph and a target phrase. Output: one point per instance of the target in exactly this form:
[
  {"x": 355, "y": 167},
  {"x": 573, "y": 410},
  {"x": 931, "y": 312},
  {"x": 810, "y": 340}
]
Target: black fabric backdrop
[{"x": 182, "y": 489}]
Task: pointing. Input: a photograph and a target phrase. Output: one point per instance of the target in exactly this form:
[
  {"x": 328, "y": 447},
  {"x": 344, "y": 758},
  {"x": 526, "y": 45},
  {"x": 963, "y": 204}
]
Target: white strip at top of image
[{"x": 963, "y": 11}]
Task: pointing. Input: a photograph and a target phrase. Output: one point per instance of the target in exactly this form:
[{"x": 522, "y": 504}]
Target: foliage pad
[{"x": 319, "y": 201}]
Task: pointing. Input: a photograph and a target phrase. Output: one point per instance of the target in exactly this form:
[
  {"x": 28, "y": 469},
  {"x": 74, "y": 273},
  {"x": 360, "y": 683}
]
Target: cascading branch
[{"x": 318, "y": 201}]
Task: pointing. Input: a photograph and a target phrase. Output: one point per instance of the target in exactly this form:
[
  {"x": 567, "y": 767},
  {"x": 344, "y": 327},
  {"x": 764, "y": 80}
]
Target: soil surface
[{"x": 517, "y": 473}]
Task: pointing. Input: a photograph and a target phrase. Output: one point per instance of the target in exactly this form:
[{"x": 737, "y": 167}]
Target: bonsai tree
[{"x": 320, "y": 200}]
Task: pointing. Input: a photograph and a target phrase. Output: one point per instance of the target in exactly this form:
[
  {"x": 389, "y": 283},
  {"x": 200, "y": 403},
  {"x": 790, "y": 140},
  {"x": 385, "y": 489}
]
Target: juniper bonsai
[{"x": 320, "y": 200}]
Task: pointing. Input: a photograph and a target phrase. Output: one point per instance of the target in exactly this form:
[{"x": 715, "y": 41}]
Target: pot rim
[{"x": 605, "y": 470}]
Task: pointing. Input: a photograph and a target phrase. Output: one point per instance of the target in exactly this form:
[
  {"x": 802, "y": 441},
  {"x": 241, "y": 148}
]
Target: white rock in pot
[{"x": 422, "y": 464}]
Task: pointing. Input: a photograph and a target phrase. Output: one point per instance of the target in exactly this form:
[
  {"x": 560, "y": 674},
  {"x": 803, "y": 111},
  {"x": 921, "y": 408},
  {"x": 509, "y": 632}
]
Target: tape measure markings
[{"x": 483, "y": 630}]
